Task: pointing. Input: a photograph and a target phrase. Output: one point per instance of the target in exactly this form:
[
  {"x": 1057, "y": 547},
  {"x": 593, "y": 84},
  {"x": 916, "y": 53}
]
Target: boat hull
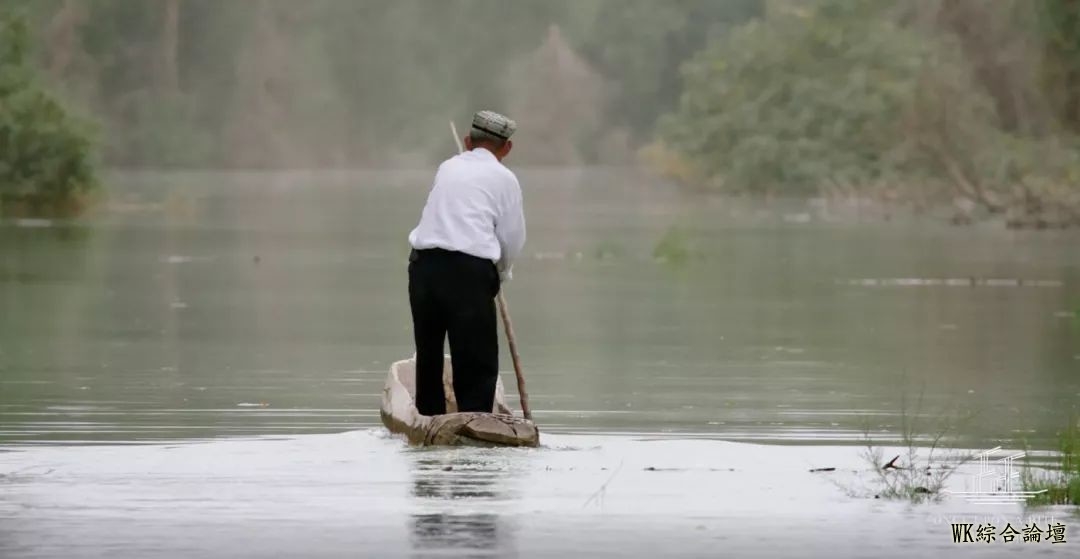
[{"x": 498, "y": 428}]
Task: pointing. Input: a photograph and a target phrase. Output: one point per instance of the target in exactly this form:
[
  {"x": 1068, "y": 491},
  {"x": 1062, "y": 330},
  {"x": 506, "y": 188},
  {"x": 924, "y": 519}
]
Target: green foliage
[
  {"x": 1063, "y": 485},
  {"x": 808, "y": 98},
  {"x": 779, "y": 96},
  {"x": 45, "y": 155},
  {"x": 639, "y": 45},
  {"x": 921, "y": 473},
  {"x": 1060, "y": 21},
  {"x": 858, "y": 98},
  {"x": 1069, "y": 445},
  {"x": 282, "y": 83},
  {"x": 285, "y": 83}
]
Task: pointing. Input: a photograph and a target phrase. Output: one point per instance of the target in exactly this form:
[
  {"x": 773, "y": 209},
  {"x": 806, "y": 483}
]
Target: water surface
[
  {"x": 364, "y": 494},
  {"x": 237, "y": 329},
  {"x": 202, "y": 305}
]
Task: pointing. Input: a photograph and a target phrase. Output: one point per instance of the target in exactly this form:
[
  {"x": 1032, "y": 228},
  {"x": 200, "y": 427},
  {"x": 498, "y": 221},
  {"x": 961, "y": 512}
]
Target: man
[{"x": 471, "y": 230}]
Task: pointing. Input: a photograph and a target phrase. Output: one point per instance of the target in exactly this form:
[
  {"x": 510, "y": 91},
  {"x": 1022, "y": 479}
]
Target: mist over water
[
  {"x": 338, "y": 83},
  {"x": 214, "y": 345},
  {"x": 199, "y": 305},
  {"x": 761, "y": 234}
]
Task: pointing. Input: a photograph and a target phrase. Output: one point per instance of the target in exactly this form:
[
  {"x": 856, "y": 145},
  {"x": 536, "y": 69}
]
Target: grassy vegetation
[
  {"x": 1062, "y": 482},
  {"x": 920, "y": 472}
]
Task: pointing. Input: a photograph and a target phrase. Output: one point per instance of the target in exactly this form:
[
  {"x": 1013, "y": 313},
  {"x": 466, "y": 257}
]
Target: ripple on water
[{"x": 367, "y": 491}]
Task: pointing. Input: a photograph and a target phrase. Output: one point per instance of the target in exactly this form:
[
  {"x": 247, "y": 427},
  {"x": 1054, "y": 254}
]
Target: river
[{"x": 194, "y": 369}]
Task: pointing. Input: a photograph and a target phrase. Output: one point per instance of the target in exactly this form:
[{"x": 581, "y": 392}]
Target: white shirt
[{"x": 474, "y": 207}]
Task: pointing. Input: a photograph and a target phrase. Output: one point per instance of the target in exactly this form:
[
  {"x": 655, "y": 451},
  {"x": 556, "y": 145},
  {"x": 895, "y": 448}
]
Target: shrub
[
  {"x": 804, "y": 99},
  {"x": 46, "y": 156},
  {"x": 846, "y": 97}
]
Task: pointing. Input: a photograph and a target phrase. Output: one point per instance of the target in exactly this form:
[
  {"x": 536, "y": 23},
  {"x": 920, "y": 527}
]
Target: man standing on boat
[{"x": 471, "y": 230}]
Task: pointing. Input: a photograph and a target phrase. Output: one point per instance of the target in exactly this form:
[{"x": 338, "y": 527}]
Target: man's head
[{"x": 492, "y": 131}]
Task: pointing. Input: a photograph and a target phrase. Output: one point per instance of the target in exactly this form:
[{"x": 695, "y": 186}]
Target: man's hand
[{"x": 505, "y": 271}]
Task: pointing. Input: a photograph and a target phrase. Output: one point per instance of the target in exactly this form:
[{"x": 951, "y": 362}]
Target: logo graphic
[{"x": 994, "y": 484}]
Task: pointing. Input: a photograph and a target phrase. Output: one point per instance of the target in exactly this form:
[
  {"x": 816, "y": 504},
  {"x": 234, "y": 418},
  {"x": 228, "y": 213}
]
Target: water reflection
[
  {"x": 459, "y": 495},
  {"x": 192, "y": 294},
  {"x": 438, "y": 532}
]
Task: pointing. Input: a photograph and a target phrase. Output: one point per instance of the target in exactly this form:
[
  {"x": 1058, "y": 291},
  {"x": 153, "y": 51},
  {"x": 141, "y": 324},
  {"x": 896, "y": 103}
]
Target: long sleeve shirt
[{"x": 474, "y": 207}]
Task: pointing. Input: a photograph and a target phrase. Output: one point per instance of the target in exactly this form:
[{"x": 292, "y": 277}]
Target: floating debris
[
  {"x": 655, "y": 469},
  {"x": 31, "y": 223},
  {"x": 950, "y": 282}
]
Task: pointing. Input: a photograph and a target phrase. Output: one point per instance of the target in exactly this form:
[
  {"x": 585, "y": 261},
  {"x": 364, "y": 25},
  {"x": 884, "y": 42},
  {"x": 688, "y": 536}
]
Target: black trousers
[{"x": 453, "y": 293}]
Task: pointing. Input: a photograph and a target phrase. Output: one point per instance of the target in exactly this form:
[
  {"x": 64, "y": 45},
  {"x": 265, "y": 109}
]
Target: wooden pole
[
  {"x": 508, "y": 326},
  {"x": 504, "y": 310}
]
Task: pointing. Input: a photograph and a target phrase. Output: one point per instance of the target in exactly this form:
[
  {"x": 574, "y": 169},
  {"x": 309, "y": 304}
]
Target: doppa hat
[{"x": 494, "y": 123}]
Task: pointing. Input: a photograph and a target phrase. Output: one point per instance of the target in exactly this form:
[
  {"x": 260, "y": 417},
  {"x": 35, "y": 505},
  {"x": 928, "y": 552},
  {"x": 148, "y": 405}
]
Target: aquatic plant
[
  {"x": 1060, "y": 484},
  {"x": 598, "y": 496},
  {"x": 921, "y": 472},
  {"x": 673, "y": 248}
]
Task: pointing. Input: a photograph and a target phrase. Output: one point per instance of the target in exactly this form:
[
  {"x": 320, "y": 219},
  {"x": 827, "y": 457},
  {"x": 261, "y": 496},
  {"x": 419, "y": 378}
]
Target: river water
[{"x": 195, "y": 370}]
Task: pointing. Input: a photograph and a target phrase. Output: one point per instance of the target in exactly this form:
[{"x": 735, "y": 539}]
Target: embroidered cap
[{"x": 494, "y": 123}]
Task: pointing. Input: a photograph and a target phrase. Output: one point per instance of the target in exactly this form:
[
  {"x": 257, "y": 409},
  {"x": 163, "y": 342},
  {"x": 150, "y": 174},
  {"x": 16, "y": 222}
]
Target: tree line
[
  {"x": 278, "y": 83},
  {"x": 969, "y": 103},
  {"x": 974, "y": 104}
]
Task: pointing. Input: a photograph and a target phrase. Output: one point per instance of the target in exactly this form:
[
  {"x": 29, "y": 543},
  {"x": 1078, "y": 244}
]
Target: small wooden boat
[{"x": 498, "y": 428}]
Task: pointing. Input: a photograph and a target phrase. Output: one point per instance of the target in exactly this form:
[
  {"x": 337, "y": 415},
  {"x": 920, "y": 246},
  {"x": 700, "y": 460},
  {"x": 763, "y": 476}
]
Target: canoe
[{"x": 498, "y": 428}]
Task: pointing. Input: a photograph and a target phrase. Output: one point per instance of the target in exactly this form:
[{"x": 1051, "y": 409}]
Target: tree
[
  {"x": 1060, "y": 22},
  {"x": 46, "y": 162},
  {"x": 556, "y": 98},
  {"x": 848, "y": 97},
  {"x": 806, "y": 99},
  {"x": 639, "y": 45}
]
